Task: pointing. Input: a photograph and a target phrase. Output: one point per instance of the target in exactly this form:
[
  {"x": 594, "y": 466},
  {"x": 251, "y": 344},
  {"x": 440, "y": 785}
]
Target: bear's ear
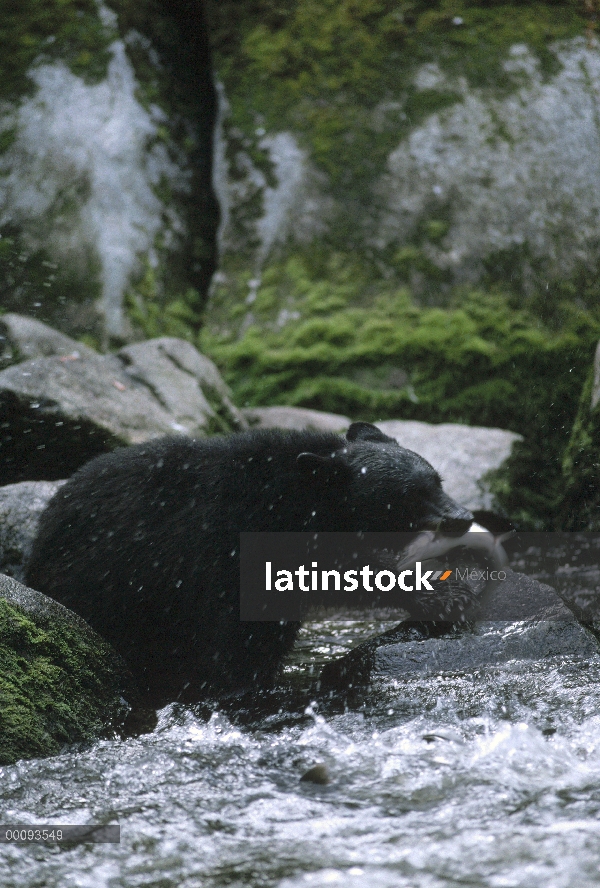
[
  {"x": 364, "y": 431},
  {"x": 326, "y": 468}
]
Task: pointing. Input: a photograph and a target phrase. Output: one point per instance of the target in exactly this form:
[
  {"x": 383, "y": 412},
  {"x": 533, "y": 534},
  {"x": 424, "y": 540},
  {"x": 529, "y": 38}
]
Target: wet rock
[
  {"x": 443, "y": 734},
  {"x": 318, "y": 774},
  {"x": 185, "y": 382},
  {"x": 20, "y": 508},
  {"x": 298, "y": 418},
  {"x": 463, "y": 455},
  {"x": 59, "y": 411},
  {"x": 520, "y": 597},
  {"x": 22, "y": 338},
  {"x": 517, "y": 619},
  {"x": 60, "y": 683},
  {"x": 489, "y": 644}
]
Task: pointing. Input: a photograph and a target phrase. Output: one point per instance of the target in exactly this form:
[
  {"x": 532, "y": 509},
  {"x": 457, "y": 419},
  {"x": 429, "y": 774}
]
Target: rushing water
[{"x": 490, "y": 778}]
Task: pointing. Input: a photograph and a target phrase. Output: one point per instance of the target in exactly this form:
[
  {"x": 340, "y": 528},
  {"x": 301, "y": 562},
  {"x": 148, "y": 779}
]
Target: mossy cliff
[
  {"x": 60, "y": 683},
  {"x": 436, "y": 139},
  {"x": 408, "y": 198},
  {"x": 356, "y": 346},
  {"x": 409, "y": 195},
  {"x": 106, "y": 127}
]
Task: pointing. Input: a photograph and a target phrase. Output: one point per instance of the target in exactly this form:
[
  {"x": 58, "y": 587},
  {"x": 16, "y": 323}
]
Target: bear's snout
[
  {"x": 450, "y": 517},
  {"x": 458, "y": 523},
  {"x": 454, "y": 518}
]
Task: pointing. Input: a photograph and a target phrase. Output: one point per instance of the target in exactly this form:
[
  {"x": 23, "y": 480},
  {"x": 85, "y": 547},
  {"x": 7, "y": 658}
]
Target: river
[{"x": 489, "y": 778}]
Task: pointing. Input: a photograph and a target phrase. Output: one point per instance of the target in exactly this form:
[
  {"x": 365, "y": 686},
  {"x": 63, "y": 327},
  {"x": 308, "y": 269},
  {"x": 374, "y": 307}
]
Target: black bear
[{"x": 143, "y": 543}]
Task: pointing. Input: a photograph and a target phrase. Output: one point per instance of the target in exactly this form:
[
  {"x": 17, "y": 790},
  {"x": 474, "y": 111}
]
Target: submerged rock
[
  {"x": 318, "y": 774},
  {"x": 60, "y": 683}
]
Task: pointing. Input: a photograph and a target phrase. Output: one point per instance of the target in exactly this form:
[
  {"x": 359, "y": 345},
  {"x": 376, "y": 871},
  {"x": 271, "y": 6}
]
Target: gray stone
[
  {"x": 508, "y": 177},
  {"x": 22, "y": 338},
  {"x": 60, "y": 683},
  {"x": 20, "y": 508},
  {"x": 516, "y": 619},
  {"x": 93, "y": 178},
  {"x": 186, "y": 383},
  {"x": 514, "y": 171},
  {"x": 56, "y": 412},
  {"x": 297, "y": 418},
  {"x": 519, "y": 597},
  {"x": 489, "y": 644},
  {"x": 463, "y": 455}
]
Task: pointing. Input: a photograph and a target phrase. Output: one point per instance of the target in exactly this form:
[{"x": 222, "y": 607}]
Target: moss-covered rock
[
  {"x": 450, "y": 142},
  {"x": 106, "y": 127},
  {"x": 60, "y": 683},
  {"x": 580, "y": 505}
]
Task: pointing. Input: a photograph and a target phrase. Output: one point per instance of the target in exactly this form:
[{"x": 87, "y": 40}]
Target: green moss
[
  {"x": 378, "y": 355},
  {"x": 45, "y": 30},
  {"x": 57, "y": 686},
  {"x": 327, "y": 69},
  {"x": 153, "y": 316},
  {"x": 580, "y": 504}
]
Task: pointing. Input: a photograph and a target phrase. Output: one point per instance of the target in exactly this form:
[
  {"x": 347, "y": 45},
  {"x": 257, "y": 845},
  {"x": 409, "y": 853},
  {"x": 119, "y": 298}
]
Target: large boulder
[
  {"x": 297, "y": 418},
  {"x": 57, "y": 413},
  {"x": 518, "y": 619},
  {"x": 59, "y": 410},
  {"x": 463, "y": 455},
  {"x": 60, "y": 683},
  {"x": 184, "y": 382},
  {"x": 440, "y": 148},
  {"x": 22, "y": 338}
]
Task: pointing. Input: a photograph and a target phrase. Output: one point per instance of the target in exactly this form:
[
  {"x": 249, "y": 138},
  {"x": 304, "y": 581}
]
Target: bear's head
[{"x": 385, "y": 486}]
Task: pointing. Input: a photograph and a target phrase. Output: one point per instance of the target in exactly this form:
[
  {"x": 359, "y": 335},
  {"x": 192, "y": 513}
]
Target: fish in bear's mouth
[
  {"x": 433, "y": 544},
  {"x": 458, "y": 598}
]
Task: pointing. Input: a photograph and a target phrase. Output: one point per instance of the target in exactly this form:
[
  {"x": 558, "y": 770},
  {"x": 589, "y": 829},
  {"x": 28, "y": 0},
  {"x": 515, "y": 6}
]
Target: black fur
[{"x": 143, "y": 543}]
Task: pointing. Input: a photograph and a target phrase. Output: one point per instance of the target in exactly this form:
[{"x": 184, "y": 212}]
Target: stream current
[{"x": 485, "y": 778}]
